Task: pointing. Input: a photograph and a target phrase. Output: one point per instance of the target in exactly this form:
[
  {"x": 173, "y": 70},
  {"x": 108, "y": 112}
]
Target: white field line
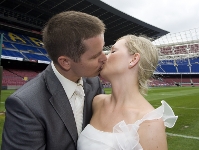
[
  {"x": 184, "y": 136},
  {"x": 167, "y": 94},
  {"x": 185, "y": 108},
  {"x": 170, "y": 94},
  {"x": 179, "y": 107}
]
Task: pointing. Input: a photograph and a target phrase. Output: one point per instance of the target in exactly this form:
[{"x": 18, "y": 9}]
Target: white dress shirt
[{"x": 75, "y": 94}]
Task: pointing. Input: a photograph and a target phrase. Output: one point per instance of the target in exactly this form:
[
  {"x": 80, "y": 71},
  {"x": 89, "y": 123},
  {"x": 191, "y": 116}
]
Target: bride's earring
[{"x": 131, "y": 64}]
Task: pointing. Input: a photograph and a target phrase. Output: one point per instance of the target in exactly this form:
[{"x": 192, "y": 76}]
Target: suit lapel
[
  {"x": 87, "y": 112},
  {"x": 62, "y": 106},
  {"x": 60, "y": 102}
]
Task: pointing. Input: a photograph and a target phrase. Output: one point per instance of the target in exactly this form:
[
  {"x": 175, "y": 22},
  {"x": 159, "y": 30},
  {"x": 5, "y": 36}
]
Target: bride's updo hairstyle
[{"x": 148, "y": 58}]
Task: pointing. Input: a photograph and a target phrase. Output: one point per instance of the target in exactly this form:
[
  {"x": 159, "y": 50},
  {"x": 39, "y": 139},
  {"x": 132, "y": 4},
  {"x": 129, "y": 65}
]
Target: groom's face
[{"x": 91, "y": 61}]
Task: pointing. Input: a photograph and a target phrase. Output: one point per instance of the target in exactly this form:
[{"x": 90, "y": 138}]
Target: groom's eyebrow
[{"x": 96, "y": 55}]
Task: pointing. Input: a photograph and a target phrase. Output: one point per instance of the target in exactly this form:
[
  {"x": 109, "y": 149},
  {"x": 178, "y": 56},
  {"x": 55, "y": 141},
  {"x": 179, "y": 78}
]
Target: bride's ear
[{"x": 135, "y": 59}]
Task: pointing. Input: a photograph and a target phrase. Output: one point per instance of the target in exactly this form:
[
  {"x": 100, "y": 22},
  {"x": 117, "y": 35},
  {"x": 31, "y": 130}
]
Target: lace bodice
[{"x": 124, "y": 136}]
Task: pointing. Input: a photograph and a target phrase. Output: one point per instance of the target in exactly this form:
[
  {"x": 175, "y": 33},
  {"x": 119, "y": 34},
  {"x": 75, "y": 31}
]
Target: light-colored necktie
[
  {"x": 79, "y": 105},
  {"x": 79, "y": 91}
]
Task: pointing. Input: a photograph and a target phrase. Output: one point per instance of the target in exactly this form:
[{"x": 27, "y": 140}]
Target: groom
[{"x": 51, "y": 110}]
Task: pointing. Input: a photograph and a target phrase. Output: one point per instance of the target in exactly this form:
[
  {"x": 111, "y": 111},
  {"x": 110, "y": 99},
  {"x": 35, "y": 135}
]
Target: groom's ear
[
  {"x": 65, "y": 62},
  {"x": 135, "y": 59}
]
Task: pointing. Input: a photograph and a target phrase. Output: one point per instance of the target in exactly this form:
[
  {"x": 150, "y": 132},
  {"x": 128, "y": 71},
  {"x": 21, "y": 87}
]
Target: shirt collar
[{"x": 68, "y": 85}]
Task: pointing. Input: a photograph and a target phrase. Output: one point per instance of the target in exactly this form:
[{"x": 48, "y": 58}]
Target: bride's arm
[{"x": 152, "y": 135}]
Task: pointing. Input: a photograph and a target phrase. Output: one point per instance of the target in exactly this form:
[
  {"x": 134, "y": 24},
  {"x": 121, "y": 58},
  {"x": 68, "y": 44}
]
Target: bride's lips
[{"x": 100, "y": 69}]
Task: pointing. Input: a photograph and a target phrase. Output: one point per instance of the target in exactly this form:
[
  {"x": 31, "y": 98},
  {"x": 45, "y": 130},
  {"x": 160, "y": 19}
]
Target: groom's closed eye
[{"x": 95, "y": 56}]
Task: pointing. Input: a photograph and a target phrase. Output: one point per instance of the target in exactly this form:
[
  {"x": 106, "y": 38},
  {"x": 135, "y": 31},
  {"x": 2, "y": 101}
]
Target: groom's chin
[{"x": 99, "y": 75}]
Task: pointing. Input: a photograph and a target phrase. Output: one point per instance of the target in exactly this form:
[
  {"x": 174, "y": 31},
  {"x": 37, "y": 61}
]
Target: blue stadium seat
[
  {"x": 12, "y": 53},
  {"x": 183, "y": 68},
  {"x": 36, "y": 57},
  {"x": 194, "y": 60},
  {"x": 42, "y": 50},
  {"x": 159, "y": 70},
  {"x": 26, "y": 48},
  {"x": 21, "y": 47},
  {"x": 8, "y": 45},
  {"x": 195, "y": 68},
  {"x": 194, "y": 65},
  {"x": 166, "y": 66},
  {"x": 169, "y": 68}
]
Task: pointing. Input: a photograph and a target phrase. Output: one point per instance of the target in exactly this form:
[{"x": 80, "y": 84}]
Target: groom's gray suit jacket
[{"x": 39, "y": 115}]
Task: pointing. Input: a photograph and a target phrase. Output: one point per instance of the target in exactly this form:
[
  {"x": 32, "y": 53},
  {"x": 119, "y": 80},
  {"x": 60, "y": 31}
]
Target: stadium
[{"x": 176, "y": 78}]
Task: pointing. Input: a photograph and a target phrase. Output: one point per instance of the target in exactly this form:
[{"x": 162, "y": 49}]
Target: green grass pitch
[{"x": 184, "y": 102}]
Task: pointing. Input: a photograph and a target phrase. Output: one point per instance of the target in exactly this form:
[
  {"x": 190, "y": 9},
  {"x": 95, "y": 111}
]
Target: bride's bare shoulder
[{"x": 99, "y": 100}]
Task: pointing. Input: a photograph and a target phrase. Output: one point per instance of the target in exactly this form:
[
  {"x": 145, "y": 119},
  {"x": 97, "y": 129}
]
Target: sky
[{"x": 173, "y": 16}]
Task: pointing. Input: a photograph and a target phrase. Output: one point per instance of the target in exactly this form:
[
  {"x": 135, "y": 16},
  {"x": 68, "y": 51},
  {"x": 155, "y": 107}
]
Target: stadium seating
[
  {"x": 194, "y": 48},
  {"x": 21, "y": 47},
  {"x": 10, "y": 78},
  {"x": 8, "y": 45},
  {"x": 24, "y": 48},
  {"x": 194, "y": 65},
  {"x": 166, "y": 69},
  {"x": 195, "y": 80},
  {"x": 17, "y": 77},
  {"x": 190, "y": 65},
  {"x": 166, "y": 50},
  {"x": 9, "y": 54},
  {"x": 158, "y": 82},
  {"x": 180, "y": 49}
]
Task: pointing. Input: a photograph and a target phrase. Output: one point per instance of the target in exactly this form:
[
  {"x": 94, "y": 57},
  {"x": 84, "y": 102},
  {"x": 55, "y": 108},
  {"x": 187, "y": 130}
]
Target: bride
[{"x": 125, "y": 120}]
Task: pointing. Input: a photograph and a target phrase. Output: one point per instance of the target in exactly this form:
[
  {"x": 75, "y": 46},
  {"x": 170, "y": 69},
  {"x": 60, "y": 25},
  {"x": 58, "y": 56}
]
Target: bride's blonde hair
[{"x": 148, "y": 58}]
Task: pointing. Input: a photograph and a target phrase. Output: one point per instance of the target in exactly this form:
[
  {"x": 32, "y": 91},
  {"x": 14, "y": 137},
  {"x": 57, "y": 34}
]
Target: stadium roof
[{"x": 32, "y": 15}]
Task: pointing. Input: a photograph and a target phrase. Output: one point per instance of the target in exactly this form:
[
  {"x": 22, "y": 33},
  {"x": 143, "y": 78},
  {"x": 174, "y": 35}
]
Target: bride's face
[{"x": 117, "y": 61}]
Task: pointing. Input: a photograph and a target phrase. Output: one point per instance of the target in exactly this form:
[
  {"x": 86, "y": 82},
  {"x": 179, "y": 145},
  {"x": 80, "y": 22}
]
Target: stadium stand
[
  {"x": 179, "y": 58},
  {"x": 21, "y": 47},
  {"x": 175, "y": 60},
  {"x": 22, "y": 27},
  {"x": 23, "y": 55}
]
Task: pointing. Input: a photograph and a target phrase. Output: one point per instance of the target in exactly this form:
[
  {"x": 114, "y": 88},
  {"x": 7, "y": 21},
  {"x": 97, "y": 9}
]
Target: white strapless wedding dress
[{"x": 124, "y": 136}]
